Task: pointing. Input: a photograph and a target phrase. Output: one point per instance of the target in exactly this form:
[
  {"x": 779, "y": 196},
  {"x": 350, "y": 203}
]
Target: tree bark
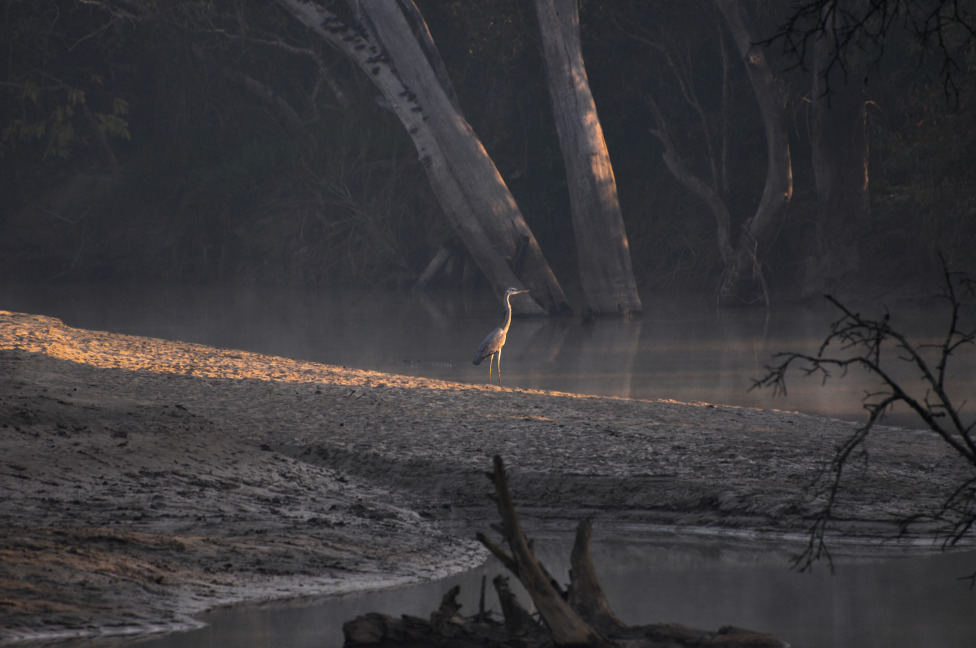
[
  {"x": 585, "y": 592},
  {"x": 840, "y": 159},
  {"x": 742, "y": 281},
  {"x": 582, "y": 616},
  {"x": 518, "y": 621},
  {"x": 471, "y": 192},
  {"x": 605, "y": 268},
  {"x": 565, "y": 625}
]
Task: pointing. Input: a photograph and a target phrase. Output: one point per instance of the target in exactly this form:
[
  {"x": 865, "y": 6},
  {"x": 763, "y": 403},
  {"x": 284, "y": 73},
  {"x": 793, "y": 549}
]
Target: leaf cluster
[{"x": 55, "y": 97}]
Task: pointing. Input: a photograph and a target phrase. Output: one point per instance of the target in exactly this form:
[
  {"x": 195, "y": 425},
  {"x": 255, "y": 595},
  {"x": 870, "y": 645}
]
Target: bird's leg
[
  {"x": 490, "y": 358},
  {"x": 498, "y": 367}
]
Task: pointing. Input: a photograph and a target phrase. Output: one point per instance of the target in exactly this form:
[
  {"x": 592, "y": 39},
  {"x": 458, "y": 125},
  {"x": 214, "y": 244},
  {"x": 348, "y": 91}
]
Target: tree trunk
[
  {"x": 606, "y": 273},
  {"x": 840, "y": 160},
  {"x": 713, "y": 192},
  {"x": 742, "y": 281},
  {"x": 471, "y": 192}
]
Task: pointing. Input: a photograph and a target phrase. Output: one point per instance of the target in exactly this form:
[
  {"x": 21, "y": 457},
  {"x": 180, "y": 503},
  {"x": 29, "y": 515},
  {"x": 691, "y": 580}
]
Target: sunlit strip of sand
[
  {"x": 41, "y": 334},
  {"x": 50, "y": 336}
]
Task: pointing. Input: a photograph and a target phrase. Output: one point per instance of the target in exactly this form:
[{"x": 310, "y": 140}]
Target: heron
[{"x": 491, "y": 346}]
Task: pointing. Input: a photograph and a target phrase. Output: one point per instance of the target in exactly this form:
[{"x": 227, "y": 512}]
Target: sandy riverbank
[{"x": 146, "y": 480}]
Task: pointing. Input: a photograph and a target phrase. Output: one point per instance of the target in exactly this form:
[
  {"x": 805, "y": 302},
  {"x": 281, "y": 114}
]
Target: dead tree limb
[
  {"x": 585, "y": 593},
  {"x": 584, "y": 605},
  {"x": 446, "y": 628},
  {"x": 579, "y": 617},
  {"x": 565, "y": 624},
  {"x": 518, "y": 621}
]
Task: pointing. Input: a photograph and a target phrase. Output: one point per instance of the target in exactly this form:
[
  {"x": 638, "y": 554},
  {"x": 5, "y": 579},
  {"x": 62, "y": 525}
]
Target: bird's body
[{"x": 491, "y": 346}]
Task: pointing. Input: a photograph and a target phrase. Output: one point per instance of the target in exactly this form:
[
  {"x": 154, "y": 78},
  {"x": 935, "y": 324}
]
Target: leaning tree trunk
[
  {"x": 742, "y": 281},
  {"x": 708, "y": 193},
  {"x": 469, "y": 188},
  {"x": 606, "y": 273},
  {"x": 840, "y": 159}
]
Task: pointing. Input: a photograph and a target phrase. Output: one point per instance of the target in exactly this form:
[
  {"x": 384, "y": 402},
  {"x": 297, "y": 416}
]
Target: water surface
[
  {"x": 889, "y": 601},
  {"x": 682, "y": 348}
]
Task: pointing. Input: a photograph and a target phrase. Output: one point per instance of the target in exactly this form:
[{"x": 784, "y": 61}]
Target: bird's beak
[{"x": 521, "y": 291}]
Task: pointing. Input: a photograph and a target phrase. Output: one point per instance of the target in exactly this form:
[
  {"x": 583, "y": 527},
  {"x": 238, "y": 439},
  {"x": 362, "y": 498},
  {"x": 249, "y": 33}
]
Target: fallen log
[{"x": 578, "y": 615}]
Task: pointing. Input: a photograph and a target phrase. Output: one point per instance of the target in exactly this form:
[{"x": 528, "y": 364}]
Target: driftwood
[
  {"x": 445, "y": 628},
  {"x": 578, "y": 615}
]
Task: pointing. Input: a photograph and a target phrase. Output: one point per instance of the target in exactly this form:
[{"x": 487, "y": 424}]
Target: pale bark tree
[
  {"x": 472, "y": 194},
  {"x": 742, "y": 280},
  {"x": 839, "y": 144},
  {"x": 603, "y": 252}
]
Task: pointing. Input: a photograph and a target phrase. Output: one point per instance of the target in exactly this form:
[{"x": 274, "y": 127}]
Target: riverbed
[{"x": 150, "y": 480}]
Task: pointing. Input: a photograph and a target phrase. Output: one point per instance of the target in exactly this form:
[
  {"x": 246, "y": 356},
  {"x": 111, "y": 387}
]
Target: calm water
[
  {"x": 681, "y": 349},
  {"x": 890, "y": 602}
]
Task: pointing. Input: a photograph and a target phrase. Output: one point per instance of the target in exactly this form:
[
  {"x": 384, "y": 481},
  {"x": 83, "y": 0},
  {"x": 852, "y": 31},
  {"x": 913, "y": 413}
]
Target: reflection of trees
[{"x": 592, "y": 357}]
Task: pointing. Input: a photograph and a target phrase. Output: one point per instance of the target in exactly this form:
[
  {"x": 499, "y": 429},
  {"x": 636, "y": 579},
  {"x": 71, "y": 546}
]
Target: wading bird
[{"x": 491, "y": 346}]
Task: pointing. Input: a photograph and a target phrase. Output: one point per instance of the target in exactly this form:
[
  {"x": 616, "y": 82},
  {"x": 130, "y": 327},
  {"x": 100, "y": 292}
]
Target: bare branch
[
  {"x": 867, "y": 343},
  {"x": 945, "y": 28}
]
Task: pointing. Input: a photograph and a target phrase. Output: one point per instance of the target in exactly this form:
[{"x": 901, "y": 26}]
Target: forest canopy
[{"x": 223, "y": 140}]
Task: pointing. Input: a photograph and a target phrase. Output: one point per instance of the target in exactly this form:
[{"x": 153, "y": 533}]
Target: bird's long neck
[{"x": 508, "y": 312}]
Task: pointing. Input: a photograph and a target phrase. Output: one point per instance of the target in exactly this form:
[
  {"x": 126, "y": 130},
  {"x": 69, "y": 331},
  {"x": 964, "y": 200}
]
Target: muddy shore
[{"x": 145, "y": 481}]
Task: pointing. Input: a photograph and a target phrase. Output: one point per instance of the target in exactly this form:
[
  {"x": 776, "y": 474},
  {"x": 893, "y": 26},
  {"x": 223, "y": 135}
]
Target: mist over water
[{"x": 683, "y": 348}]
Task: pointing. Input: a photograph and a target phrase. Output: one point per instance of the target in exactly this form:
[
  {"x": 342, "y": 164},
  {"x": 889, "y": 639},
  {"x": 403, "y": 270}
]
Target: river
[
  {"x": 681, "y": 349},
  {"x": 891, "y": 601}
]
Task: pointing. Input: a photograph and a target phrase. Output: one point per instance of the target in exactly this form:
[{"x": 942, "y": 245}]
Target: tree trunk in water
[
  {"x": 469, "y": 188},
  {"x": 840, "y": 162},
  {"x": 742, "y": 281},
  {"x": 606, "y": 273},
  {"x": 585, "y": 593}
]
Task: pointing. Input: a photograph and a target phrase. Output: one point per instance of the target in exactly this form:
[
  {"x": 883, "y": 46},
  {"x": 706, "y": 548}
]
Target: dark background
[{"x": 129, "y": 149}]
